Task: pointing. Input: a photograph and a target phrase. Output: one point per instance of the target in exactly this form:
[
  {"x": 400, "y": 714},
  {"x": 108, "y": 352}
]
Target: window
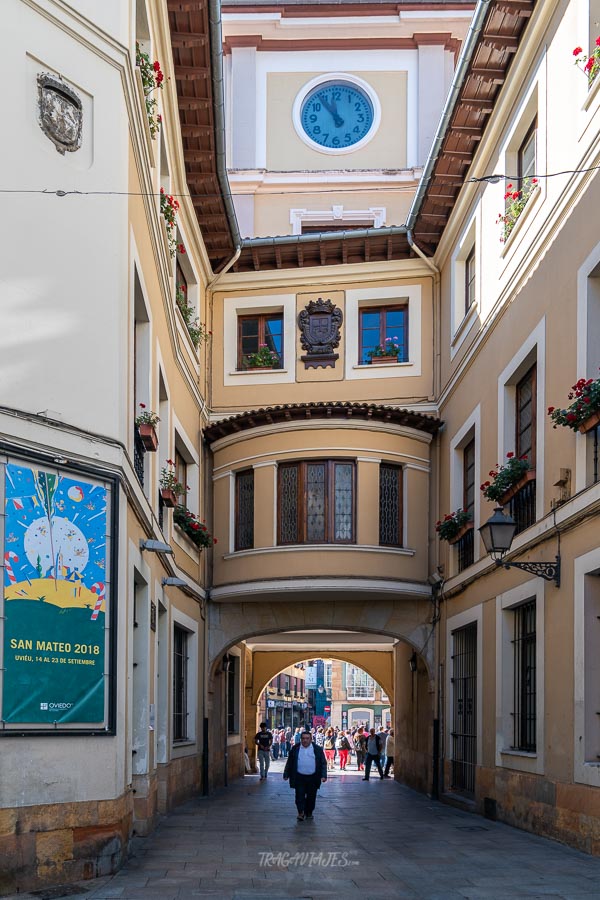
[
  {"x": 244, "y": 510},
  {"x": 382, "y": 326},
  {"x": 359, "y": 684},
  {"x": 526, "y": 155},
  {"x": 525, "y": 418},
  {"x": 180, "y": 684},
  {"x": 316, "y": 502},
  {"x": 259, "y": 331},
  {"x": 390, "y": 505},
  {"x": 181, "y": 476},
  {"x": 327, "y": 677},
  {"x": 524, "y": 706},
  {"x": 233, "y": 693},
  {"x": 316, "y": 227},
  {"x": 464, "y": 708},
  {"x": 466, "y": 544},
  {"x": 287, "y": 684},
  {"x": 470, "y": 275}
]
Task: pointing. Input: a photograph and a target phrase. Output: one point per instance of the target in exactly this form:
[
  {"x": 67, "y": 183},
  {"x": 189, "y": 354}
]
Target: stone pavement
[{"x": 375, "y": 840}]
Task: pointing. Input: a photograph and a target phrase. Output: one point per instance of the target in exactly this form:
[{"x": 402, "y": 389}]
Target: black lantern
[
  {"x": 412, "y": 662},
  {"x": 497, "y": 535}
]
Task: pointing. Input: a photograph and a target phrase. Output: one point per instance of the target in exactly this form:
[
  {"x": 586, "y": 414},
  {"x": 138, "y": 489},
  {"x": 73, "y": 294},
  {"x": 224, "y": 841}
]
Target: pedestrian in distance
[
  {"x": 343, "y": 747},
  {"x": 306, "y": 770},
  {"x": 329, "y": 747},
  {"x": 389, "y": 754},
  {"x": 374, "y": 746},
  {"x": 360, "y": 748},
  {"x": 264, "y": 740}
]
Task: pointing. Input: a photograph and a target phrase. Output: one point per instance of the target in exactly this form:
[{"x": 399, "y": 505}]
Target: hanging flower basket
[
  {"x": 169, "y": 497},
  {"x": 590, "y": 423},
  {"x": 512, "y": 491},
  {"x": 505, "y": 478},
  {"x": 148, "y": 437},
  {"x": 582, "y": 415}
]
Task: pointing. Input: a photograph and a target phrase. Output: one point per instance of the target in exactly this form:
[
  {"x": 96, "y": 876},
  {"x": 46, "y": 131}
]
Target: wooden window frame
[
  {"x": 465, "y": 483},
  {"x": 531, "y": 457},
  {"x": 261, "y": 318},
  {"x": 180, "y": 684},
  {"x": 181, "y": 467},
  {"x": 383, "y": 309},
  {"x": 470, "y": 287},
  {"x": 400, "y": 505},
  {"x": 301, "y": 466},
  {"x": 531, "y": 132}
]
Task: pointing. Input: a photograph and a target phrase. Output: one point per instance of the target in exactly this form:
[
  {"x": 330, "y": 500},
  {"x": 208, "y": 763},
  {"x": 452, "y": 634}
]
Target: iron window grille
[
  {"x": 464, "y": 708},
  {"x": 244, "y": 510},
  {"x": 525, "y": 687},
  {"x": 180, "y": 684},
  {"x": 466, "y": 545},
  {"x": 316, "y": 502},
  {"x": 390, "y": 505},
  {"x": 379, "y": 326},
  {"x": 138, "y": 456},
  {"x": 233, "y": 672}
]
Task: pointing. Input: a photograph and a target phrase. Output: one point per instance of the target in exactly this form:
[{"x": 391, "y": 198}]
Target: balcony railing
[
  {"x": 594, "y": 439},
  {"x": 466, "y": 550},
  {"x": 522, "y": 506},
  {"x": 138, "y": 456}
]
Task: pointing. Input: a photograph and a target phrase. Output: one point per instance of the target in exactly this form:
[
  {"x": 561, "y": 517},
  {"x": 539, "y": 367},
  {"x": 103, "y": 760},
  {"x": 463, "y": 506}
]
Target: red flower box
[
  {"x": 527, "y": 477},
  {"x": 590, "y": 423},
  {"x": 461, "y": 533},
  {"x": 148, "y": 437},
  {"x": 377, "y": 360},
  {"x": 169, "y": 497}
]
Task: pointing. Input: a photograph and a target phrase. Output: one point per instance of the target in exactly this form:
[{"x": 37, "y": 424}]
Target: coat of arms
[
  {"x": 319, "y": 324},
  {"x": 61, "y": 113}
]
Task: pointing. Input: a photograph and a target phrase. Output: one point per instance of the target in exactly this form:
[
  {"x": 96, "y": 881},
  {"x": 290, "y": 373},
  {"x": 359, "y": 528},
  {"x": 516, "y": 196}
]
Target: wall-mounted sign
[
  {"x": 56, "y": 616},
  {"x": 310, "y": 677}
]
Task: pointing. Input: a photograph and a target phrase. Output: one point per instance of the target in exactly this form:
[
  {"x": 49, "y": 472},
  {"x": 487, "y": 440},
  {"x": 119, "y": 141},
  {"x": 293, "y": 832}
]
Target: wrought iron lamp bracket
[{"x": 550, "y": 571}]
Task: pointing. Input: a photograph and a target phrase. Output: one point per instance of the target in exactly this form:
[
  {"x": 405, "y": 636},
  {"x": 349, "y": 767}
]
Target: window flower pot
[
  {"x": 510, "y": 493},
  {"x": 379, "y": 360},
  {"x": 259, "y": 368},
  {"x": 148, "y": 437},
  {"x": 468, "y": 526},
  {"x": 590, "y": 423},
  {"x": 169, "y": 497}
]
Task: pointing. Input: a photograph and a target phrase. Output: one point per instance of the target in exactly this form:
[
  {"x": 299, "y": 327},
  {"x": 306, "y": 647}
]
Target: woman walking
[
  {"x": 343, "y": 747},
  {"x": 329, "y": 748}
]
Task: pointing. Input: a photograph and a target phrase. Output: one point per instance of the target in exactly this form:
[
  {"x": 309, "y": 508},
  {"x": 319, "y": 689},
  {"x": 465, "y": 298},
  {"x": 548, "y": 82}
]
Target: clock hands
[{"x": 332, "y": 110}]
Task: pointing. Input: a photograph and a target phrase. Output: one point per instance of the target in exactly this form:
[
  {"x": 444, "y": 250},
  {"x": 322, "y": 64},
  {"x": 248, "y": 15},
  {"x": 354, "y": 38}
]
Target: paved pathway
[{"x": 375, "y": 840}]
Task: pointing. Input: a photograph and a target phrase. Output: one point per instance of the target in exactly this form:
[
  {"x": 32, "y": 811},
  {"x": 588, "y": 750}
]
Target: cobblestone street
[{"x": 375, "y": 840}]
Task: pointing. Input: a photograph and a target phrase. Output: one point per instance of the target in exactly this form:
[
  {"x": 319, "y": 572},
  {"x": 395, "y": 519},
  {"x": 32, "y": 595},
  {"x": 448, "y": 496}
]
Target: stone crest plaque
[
  {"x": 319, "y": 323},
  {"x": 61, "y": 113}
]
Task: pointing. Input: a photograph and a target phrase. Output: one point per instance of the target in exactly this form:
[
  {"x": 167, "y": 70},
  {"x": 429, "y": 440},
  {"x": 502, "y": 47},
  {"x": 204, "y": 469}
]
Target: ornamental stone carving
[
  {"x": 61, "y": 113},
  {"x": 319, "y": 324}
]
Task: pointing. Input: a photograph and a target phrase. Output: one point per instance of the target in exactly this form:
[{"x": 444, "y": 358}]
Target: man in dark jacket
[{"x": 306, "y": 769}]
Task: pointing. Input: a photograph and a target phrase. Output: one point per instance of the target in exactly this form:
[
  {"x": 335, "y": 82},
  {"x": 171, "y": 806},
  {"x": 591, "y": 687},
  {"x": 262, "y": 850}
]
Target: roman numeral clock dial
[{"x": 337, "y": 115}]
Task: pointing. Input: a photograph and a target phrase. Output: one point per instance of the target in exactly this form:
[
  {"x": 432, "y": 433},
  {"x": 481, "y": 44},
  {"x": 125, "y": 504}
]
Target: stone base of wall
[
  {"x": 413, "y": 768},
  {"x": 177, "y": 781},
  {"x": 62, "y": 842},
  {"x": 145, "y": 803},
  {"x": 569, "y": 813}
]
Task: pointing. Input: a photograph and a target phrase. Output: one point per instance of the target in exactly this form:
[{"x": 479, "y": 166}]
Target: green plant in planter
[
  {"x": 585, "y": 395},
  {"x": 515, "y": 202},
  {"x": 390, "y": 347},
  {"x": 450, "y": 525},
  {"x": 168, "y": 480},
  {"x": 196, "y": 329},
  {"x": 263, "y": 358},
  {"x": 169, "y": 208},
  {"x": 589, "y": 65},
  {"x": 152, "y": 80},
  {"x": 504, "y": 477},
  {"x": 193, "y": 527},
  {"x": 146, "y": 417}
]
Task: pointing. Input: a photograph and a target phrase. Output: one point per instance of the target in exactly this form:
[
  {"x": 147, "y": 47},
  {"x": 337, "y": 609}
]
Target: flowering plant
[
  {"x": 262, "y": 358},
  {"x": 505, "y": 477},
  {"x": 586, "y": 401},
  {"x": 390, "y": 347},
  {"x": 589, "y": 65},
  {"x": 146, "y": 417},
  {"x": 152, "y": 79},
  {"x": 196, "y": 329},
  {"x": 516, "y": 201},
  {"x": 450, "y": 525},
  {"x": 193, "y": 527},
  {"x": 169, "y": 208},
  {"x": 168, "y": 479}
]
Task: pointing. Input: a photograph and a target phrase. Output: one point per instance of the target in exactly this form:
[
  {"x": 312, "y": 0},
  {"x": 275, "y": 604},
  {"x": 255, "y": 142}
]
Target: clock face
[{"x": 336, "y": 114}]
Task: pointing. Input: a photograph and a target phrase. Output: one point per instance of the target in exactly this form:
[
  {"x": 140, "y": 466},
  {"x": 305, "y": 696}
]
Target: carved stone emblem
[
  {"x": 319, "y": 323},
  {"x": 61, "y": 113}
]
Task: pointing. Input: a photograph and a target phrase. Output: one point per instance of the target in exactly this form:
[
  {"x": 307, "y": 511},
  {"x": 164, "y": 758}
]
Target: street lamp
[{"x": 497, "y": 535}]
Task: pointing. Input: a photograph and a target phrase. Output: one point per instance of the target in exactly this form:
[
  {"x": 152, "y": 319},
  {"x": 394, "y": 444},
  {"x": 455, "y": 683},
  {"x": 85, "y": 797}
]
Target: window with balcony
[
  {"x": 526, "y": 156},
  {"x": 466, "y": 544},
  {"x": 525, "y": 687},
  {"x": 523, "y": 503},
  {"x": 390, "y": 505},
  {"x": 383, "y": 334},
  {"x": 260, "y": 341},
  {"x": 244, "y": 510},
  {"x": 316, "y": 502}
]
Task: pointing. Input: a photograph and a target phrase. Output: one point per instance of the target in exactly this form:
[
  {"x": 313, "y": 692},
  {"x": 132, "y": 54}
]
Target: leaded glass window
[
  {"x": 316, "y": 502},
  {"x": 390, "y": 505},
  {"x": 526, "y": 416},
  {"x": 180, "y": 683},
  {"x": 244, "y": 511}
]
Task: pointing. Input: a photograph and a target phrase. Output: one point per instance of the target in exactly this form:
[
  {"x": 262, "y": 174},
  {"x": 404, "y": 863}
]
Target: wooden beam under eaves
[
  {"x": 521, "y": 8},
  {"x": 508, "y": 42},
  {"x": 484, "y": 105},
  {"x": 193, "y": 103},
  {"x": 182, "y": 5},
  {"x": 474, "y": 133},
  {"x": 191, "y": 73},
  {"x": 487, "y": 73},
  {"x": 462, "y": 155},
  {"x": 255, "y": 259},
  {"x": 278, "y": 256},
  {"x": 183, "y": 39},
  {"x": 442, "y": 199},
  {"x": 192, "y": 131},
  {"x": 300, "y": 255},
  {"x": 322, "y": 253},
  {"x": 390, "y": 249},
  {"x": 434, "y": 216}
]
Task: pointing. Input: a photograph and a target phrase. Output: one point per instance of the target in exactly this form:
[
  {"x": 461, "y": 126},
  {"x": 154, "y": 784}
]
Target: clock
[{"x": 336, "y": 114}]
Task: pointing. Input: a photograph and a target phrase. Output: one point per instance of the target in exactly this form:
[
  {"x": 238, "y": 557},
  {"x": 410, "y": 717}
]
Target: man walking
[
  {"x": 306, "y": 770},
  {"x": 374, "y": 747},
  {"x": 263, "y": 740}
]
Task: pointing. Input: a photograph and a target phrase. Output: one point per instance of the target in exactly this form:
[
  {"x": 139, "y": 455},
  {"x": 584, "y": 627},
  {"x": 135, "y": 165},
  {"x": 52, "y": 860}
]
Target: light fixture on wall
[
  {"x": 156, "y": 547},
  {"x": 497, "y": 535},
  {"x": 173, "y": 581},
  {"x": 412, "y": 662}
]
